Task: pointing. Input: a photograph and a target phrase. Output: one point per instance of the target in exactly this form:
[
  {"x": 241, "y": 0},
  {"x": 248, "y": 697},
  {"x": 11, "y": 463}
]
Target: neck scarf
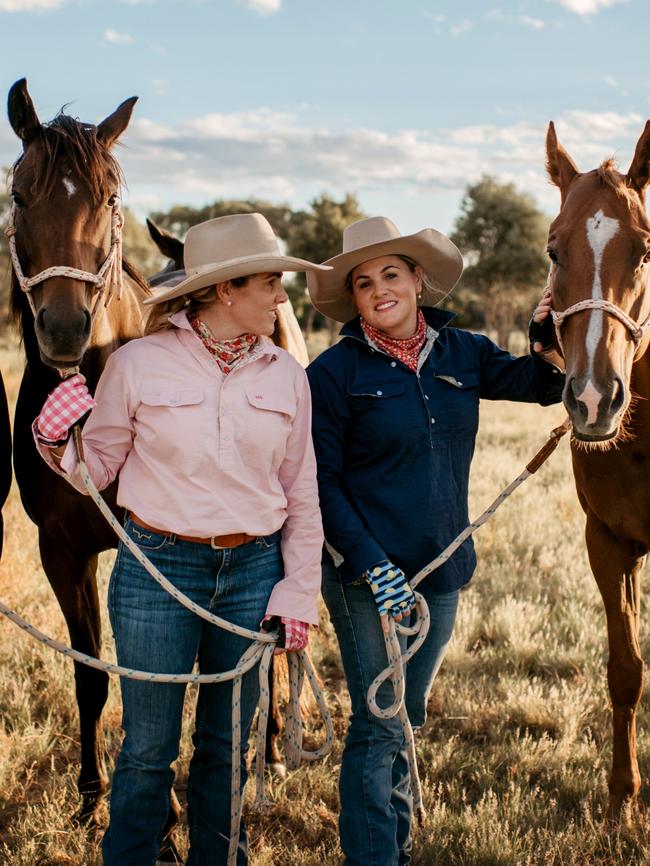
[
  {"x": 227, "y": 353},
  {"x": 406, "y": 350}
]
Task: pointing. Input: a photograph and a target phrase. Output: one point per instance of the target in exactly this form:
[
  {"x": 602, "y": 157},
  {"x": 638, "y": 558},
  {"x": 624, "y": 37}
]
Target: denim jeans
[
  {"x": 374, "y": 786},
  {"x": 155, "y": 632}
]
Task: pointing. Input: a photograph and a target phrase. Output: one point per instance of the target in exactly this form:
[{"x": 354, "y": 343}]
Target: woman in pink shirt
[{"x": 206, "y": 425}]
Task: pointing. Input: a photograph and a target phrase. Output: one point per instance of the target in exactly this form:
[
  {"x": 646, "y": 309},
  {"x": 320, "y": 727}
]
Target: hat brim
[
  {"x": 439, "y": 258},
  {"x": 220, "y": 272}
]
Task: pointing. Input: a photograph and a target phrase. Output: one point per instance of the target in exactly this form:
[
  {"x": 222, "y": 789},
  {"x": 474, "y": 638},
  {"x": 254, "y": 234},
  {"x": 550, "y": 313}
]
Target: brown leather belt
[{"x": 234, "y": 539}]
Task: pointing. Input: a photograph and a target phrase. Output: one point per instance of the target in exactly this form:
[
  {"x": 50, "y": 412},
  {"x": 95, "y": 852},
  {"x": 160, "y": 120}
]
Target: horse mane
[
  {"x": 67, "y": 138},
  {"x": 610, "y": 176}
]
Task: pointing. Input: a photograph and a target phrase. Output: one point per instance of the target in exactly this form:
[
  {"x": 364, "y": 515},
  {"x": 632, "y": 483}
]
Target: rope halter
[
  {"x": 110, "y": 273},
  {"x": 637, "y": 329}
]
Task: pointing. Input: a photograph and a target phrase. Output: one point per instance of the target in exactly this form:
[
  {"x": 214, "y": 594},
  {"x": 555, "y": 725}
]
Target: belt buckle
[{"x": 216, "y": 546}]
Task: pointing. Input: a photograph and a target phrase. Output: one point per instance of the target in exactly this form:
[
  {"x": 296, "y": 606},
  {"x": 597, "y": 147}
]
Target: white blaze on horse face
[
  {"x": 600, "y": 231},
  {"x": 69, "y": 186}
]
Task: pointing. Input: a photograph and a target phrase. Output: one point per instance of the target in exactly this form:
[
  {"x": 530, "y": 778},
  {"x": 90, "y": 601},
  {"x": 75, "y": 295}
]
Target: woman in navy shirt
[{"x": 395, "y": 417}]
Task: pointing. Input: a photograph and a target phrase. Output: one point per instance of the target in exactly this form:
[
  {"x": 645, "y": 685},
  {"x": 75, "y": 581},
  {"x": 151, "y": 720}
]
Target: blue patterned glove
[{"x": 393, "y": 595}]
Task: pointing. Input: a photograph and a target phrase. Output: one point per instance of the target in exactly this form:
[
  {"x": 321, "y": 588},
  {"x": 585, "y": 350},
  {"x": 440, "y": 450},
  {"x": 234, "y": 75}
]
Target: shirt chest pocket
[
  {"x": 456, "y": 404},
  {"x": 172, "y": 424},
  {"x": 379, "y": 410},
  {"x": 265, "y": 427}
]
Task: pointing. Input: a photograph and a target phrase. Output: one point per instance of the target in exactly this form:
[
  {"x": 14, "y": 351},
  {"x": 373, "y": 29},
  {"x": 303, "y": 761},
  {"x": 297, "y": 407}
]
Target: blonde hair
[{"x": 158, "y": 318}]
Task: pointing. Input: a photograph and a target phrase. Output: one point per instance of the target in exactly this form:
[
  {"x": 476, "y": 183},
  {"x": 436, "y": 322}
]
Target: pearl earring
[{"x": 229, "y": 303}]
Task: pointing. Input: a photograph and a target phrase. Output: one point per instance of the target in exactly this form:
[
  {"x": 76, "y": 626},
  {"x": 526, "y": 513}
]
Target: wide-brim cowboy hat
[
  {"x": 231, "y": 246},
  {"x": 371, "y": 238}
]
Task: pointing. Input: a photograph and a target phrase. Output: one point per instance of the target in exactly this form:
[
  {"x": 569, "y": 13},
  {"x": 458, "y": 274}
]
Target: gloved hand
[
  {"x": 66, "y": 405},
  {"x": 392, "y": 593},
  {"x": 294, "y": 634},
  {"x": 541, "y": 330}
]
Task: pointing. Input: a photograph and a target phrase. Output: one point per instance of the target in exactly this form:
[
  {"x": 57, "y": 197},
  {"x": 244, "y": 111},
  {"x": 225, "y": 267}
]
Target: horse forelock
[
  {"x": 66, "y": 139},
  {"x": 610, "y": 176}
]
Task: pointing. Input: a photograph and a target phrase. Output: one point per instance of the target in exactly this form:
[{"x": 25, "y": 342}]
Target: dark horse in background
[
  {"x": 64, "y": 188},
  {"x": 599, "y": 245},
  {"x": 5, "y": 454}
]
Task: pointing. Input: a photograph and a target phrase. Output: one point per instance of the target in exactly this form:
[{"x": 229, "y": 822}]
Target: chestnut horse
[
  {"x": 599, "y": 245},
  {"x": 65, "y": 188}
]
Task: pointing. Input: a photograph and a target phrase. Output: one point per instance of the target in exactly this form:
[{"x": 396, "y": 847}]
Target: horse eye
[
  {"x": 552, "y": 254},
  {"x": 112, "y": 199},
  {"x": 18, "y": 199}
]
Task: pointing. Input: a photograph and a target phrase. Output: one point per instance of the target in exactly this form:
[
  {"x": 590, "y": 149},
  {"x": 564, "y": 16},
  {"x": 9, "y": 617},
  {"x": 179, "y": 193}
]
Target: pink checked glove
[
  {"x": 294, "y": 634},
  {"x": 66, "y": 405}
]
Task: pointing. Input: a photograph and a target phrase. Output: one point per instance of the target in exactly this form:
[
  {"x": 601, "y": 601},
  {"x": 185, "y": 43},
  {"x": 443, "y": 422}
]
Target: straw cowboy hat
[
  {"x": 371, "y": 238},
  {"x": 227, "y": 247}
]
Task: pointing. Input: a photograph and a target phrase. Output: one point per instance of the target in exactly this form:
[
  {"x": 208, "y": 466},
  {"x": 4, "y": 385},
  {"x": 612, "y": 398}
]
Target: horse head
[
  {"x": 65, "y": 222},
  {"x": 599, "y": 246}
]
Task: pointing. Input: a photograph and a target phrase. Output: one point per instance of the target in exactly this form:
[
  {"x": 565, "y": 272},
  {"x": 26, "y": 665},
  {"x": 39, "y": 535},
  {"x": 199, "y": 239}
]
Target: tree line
[{"x": 499, "y": 230}]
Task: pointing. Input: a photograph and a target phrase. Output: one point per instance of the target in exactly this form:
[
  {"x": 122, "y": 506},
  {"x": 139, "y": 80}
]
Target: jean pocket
[
  {"x": 147, "y": 539},
  {"x": 268, "y": 541}
]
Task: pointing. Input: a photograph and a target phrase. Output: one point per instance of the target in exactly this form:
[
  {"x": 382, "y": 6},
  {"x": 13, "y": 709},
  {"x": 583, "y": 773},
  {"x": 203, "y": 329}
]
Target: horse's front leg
[
  {"x": 73, "y": 579},
  {"x": 616, "y": 566}
]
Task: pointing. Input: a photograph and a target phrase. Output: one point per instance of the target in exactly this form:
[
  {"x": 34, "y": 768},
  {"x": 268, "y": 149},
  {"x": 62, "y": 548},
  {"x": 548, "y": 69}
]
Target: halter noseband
[
  {"x": 109, "y": 273},
  {"x": 637, "y": 329}
]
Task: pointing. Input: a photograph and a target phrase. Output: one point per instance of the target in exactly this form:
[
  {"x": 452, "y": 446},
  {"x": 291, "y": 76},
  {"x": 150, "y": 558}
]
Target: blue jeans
[
  {"x": 374, "y": 786},
  {"x": 154, "y": 632}
]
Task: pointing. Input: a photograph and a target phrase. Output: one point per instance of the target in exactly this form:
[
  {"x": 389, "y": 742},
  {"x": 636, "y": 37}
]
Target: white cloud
[
  {"x": 460, "y": 28},
  {"x": 29, "y": 5},
  {"x": 587, "y": 7},
  {"x": 265, "y": 7},
  {"x": 280, "y": 156},
  {"x": 527, "y": 21},
  {"x": 117, "y": 38}
]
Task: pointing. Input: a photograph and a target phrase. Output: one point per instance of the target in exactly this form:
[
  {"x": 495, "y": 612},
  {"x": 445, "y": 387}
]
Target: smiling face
[
  {"x": 251, "y": 308},
  {"x": 385, "y": 292}
]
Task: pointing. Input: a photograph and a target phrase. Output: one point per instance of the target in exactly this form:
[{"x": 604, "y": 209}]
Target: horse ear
[
  {"x": 639, "y": 171},
  {"x": 167, "y": 244},
  {"x": 21, "y": 111},
  {"x": 559, "y": 165},
  {"x": 110, "y": 129}
]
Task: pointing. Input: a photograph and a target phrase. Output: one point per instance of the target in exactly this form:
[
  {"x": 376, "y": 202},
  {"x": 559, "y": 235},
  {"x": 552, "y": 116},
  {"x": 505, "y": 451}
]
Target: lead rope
[{"x": 397, "y": 660}]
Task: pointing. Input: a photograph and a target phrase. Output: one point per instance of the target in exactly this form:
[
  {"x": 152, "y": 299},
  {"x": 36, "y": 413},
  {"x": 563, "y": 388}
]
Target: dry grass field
[{"x": 514, "y": 757}]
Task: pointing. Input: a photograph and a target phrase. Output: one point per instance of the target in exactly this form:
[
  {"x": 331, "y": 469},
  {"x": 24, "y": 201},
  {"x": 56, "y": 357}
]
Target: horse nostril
[
  {"x": 40, "y": 319},
  {"x": 87, "y": 323},
  {"x": 618, "y": 395}
]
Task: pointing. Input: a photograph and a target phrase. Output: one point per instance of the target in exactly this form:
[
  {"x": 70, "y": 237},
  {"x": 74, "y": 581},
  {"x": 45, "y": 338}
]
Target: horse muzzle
[{"x": 596, "y": 410}]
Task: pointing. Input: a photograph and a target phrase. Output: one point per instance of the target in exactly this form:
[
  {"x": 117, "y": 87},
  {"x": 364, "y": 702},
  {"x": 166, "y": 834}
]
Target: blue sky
[{"x": 403, "y": 103}]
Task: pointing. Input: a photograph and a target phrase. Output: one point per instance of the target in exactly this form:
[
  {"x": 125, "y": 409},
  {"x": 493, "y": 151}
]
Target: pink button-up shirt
[{"x": 199, "y": 453}]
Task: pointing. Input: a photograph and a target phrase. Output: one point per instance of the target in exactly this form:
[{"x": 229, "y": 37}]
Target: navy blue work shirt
[{"x": 394, "y": 447}]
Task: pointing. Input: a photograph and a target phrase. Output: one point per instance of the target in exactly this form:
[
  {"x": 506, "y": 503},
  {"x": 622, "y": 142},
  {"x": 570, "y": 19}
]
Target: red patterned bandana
[
  {"x": 227, "y": 353},
  {"x": 407, "y": 350}
]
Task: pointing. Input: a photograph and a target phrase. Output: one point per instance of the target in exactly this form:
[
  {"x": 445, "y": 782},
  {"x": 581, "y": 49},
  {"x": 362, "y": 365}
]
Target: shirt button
[
  {"x": 433, "y": 420},
  {"x": 426, "y": 396},
  {"x": 393, "y": 363},
  {"x": 379, "y": 393},
  {"x": 460, "y": 384}
]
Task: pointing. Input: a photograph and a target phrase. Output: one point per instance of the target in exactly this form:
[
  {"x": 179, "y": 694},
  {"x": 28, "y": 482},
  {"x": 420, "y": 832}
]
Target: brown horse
[
  {"x": 5, "y": 454},
  {"x": 64, "y": 187},
  {"x": 599, "y": 245}
]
